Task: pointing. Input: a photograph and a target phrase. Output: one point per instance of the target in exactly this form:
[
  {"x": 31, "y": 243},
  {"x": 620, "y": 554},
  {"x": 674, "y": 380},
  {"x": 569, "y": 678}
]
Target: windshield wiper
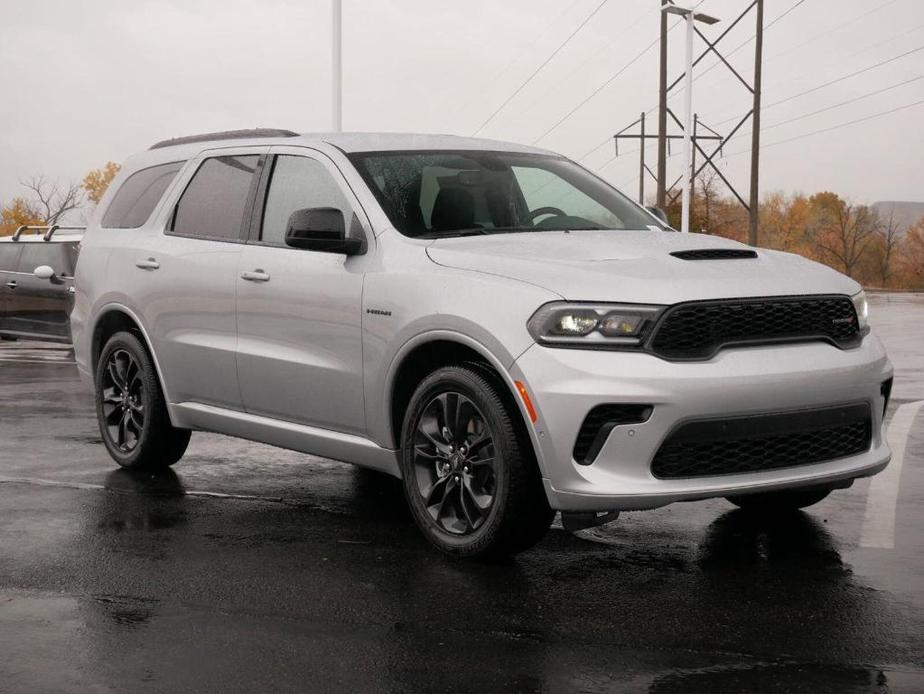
[{"x": 473, "y": 231}]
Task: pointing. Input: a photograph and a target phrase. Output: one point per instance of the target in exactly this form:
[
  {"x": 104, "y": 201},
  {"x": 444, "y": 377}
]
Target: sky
[{"x": 83, "y": 83}]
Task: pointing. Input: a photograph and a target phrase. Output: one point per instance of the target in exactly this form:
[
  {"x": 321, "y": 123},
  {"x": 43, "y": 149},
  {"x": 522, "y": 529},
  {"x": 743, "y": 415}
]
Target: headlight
[
  {"x": 861, "y": 304},
  {"x": 592, "y": 325}
]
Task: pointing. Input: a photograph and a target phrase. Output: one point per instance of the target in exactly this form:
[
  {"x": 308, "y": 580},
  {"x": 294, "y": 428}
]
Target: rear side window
[
  {"x": 9, "y": 256},
  {"x": 58, "y": 255},
  {"x": 138, "y": 196},
  {"x": 212, "y": 206}
]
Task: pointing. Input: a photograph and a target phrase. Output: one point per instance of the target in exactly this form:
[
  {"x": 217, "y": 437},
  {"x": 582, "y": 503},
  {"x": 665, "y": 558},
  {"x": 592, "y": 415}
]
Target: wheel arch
[
  {"x": 427, "y": 352},
  {"x": 114, "y": 318}
]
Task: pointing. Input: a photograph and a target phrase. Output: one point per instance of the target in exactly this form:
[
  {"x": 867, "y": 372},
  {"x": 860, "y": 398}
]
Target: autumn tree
[
  {"x": 912, "y": 257},
  {"x": 844, "y": 231},
  {"x": 97, "y": 181},
  {"x": 889, "y": 237},
  {"x": 17, "y": 213}
]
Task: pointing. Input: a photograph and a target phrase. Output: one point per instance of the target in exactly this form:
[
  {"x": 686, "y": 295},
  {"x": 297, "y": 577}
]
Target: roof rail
[
  {"x": 48, "y": 229},
  {"x": 225, "y": 135}
]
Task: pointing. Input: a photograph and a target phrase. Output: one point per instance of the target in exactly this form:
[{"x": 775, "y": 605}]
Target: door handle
[
  {"x": 149, "y": 264},
  {"x": 255, "y": 276},
  {"x": 11, "y": 284}
]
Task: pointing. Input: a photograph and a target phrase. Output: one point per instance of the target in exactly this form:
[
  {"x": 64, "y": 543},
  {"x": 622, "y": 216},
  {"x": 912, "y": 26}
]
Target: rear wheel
[
  {"x": 131, "y": 410},
  {"x": 469, "y": 475},
  {"x": 781, "y": 501}
]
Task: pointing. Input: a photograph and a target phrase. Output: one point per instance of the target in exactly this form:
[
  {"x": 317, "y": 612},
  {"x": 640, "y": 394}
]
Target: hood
[{"x": 637, "y": 266}]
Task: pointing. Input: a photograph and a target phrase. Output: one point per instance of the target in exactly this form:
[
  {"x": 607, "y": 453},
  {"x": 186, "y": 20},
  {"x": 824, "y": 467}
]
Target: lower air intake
[{"x": 764, "y": 442}]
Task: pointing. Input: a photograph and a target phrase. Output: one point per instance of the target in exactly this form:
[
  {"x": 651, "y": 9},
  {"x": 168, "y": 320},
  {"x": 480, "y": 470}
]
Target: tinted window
[
  {"x": 213, "y": 203},
  {"x": 298, "y": 183},
  {"x": 58, "y": 255},
  {"x": 138, "y": 196},
  {"x": 9, "y": 255}
]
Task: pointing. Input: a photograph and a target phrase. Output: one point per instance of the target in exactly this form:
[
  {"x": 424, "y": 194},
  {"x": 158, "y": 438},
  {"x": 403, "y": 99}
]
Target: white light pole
[
  {"x": 336, "y": 65},
  {"x": 687, "y": 179}
]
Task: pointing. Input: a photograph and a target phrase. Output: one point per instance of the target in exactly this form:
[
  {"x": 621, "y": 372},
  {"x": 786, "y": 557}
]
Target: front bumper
[{"x": 565, "y": 384}]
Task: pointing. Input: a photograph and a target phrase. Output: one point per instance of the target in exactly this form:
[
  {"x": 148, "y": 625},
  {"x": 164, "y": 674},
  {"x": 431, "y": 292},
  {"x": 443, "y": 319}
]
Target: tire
[
  {"x": 135, "y": 428},
  {"x": 486, "y": 497},
  {"x": 784, "y": 501}
]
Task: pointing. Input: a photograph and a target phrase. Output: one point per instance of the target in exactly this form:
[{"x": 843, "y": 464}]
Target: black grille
[
  {"x": 598, "y": 424},
  {"x": 764, "y": 442},
  {"x": 697, "y": 330},
  {"x": 714, "y": 254}
]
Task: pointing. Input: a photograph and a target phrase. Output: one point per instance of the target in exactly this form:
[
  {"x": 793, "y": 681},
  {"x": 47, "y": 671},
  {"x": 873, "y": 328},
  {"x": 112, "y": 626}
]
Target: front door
[{"x": 299, "y": 311}]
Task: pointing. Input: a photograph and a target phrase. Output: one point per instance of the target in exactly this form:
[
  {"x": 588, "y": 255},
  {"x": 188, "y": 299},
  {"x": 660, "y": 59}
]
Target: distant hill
[{"x": 905, "y": 213}]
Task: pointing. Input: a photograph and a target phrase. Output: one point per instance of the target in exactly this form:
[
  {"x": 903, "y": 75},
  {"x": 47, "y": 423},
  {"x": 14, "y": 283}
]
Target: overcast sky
[{"x": 85, "y": 82}]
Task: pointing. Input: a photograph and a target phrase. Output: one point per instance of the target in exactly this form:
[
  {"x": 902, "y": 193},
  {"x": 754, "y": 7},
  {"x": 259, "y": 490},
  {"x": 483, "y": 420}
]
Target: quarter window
[
  {"x": 138, "y": 196},
  {"x": 298, "y": 183},
  {"x": 213, "y": 204}
]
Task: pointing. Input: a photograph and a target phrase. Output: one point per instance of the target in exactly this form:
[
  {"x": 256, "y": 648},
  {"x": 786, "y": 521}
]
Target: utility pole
[
  {"x": 754, "y": 198},
  {"x": 692, "y": 168},
  {"x": 336, "y": 65},
  {"x": 662, "y": 118},
  {"x": 687, "y": 176},
  {"x": 641, "y": 164}
]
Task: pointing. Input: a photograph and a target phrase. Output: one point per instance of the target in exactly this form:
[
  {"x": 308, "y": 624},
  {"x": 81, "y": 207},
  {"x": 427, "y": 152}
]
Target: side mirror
[
  {"x": 44, "y": 272},
  {"x": 321, "y": 229},
  {"x": 659, "y": 213}
]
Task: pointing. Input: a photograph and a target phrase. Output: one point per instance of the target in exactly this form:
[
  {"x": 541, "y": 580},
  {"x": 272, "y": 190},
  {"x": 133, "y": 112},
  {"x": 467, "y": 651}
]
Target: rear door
[
  {"x": 185, "y": 280},
  {"x": 40, "y": 308},
  {"x": 9, "y": 261}
]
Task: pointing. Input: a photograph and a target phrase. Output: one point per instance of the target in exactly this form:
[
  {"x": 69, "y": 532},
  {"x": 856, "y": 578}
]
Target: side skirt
[{"x": 324, "y": 443}]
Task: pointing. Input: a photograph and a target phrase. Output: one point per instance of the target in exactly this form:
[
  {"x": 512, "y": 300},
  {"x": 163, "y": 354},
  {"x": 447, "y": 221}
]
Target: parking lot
[{"x": 251, "y": 568}]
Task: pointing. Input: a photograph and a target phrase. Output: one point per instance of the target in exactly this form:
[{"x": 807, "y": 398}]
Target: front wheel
[
  {"x": 131, "y": 409},
  {"x": 470, "y": 478},
  {"x": 783, "y": 501}
]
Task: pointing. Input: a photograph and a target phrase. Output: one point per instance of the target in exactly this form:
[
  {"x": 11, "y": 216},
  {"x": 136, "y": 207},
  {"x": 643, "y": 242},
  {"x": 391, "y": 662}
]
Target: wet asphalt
[{"x": 250, "y": 568}]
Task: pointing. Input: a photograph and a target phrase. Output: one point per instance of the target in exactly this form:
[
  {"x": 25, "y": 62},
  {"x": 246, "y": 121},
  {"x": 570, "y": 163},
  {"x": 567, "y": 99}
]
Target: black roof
[{"x": 225, "y": 135}]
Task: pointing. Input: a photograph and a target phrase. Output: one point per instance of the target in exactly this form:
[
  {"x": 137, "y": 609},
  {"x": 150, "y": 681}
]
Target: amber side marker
[{"x": 521, "y": 389}]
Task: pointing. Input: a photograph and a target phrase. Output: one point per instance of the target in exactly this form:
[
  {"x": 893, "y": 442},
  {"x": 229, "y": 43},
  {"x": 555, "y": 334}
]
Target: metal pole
[
  {"x": 641, "y": 165},
  {"x": 336, "y": 66},
  {"x": 662, "y": 118},
  {"x": 755, "y": 130},
  {"x": 693, "y": 162},
  {"x": 687, "y": 128}
]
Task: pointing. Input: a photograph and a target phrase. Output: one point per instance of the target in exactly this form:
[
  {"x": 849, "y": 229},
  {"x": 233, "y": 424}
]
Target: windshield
[{"x": 432, "y": 194}]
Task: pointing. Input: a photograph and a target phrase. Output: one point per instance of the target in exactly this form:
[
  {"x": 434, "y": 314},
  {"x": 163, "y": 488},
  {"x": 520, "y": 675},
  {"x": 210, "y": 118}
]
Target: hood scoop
[{"x": 714, "y": 254}]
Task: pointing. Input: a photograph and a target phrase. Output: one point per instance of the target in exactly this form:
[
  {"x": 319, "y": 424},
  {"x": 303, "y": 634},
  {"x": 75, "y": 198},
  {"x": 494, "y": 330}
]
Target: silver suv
[{"x": 489, "y": 322}]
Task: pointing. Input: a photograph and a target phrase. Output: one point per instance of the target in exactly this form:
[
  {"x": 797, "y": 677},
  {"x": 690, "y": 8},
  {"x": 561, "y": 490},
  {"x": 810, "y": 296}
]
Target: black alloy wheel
[
  {"x": 131, "y": 408},
  {"x": 454, "y": 456},
  {"x": 470, "y": 476},
  {"x": 123, "y": 400}
]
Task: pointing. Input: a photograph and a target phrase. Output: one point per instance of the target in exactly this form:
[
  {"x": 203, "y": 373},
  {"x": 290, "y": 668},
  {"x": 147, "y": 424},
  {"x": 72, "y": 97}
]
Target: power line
[
  {"x": 745, "y": 43},
  {"x": 832, "y": 127},
  {"x": 539, "y": 69},
  {"x": 838, "y": 105},
  {"x": 830, "y": 82},
  {"x": 603, "y": 86}
]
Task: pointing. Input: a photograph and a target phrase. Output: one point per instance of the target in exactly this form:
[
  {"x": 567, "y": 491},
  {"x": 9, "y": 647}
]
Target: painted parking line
[{"x": 882, "y": 496}]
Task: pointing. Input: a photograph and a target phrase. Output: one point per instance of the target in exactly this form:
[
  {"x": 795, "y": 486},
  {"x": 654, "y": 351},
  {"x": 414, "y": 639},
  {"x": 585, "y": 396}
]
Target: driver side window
[
  {"x": 298, "y": 183},
  {"x": 542, "y": 188}
]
